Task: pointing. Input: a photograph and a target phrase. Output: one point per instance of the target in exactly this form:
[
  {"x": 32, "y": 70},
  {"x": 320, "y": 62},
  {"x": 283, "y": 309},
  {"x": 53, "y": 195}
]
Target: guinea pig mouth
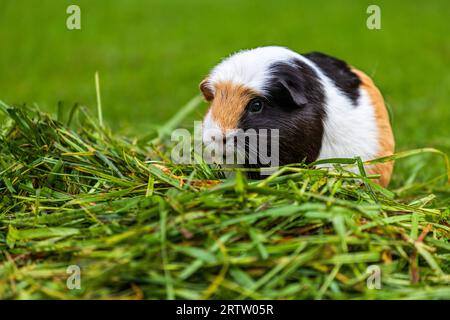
[
  {"x": 221, "y": 151},
  {"x": 248, "y": 148}
]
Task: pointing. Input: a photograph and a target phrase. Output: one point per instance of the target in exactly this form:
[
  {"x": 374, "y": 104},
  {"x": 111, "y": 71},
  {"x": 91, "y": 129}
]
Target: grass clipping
[{"x": 73, "y": 196}]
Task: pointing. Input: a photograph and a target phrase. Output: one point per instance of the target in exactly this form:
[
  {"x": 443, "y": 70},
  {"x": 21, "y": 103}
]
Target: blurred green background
[{"x": 151, "y": 55}]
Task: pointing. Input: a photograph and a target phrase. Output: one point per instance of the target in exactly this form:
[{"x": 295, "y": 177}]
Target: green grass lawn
[
  {"x": 137, "y": 226},
  {"x": 151, "y": 56}
]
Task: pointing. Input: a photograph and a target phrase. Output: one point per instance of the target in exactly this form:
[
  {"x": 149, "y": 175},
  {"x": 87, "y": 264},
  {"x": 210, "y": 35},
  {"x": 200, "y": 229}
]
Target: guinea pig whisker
[{"x": 253, "y": 151}]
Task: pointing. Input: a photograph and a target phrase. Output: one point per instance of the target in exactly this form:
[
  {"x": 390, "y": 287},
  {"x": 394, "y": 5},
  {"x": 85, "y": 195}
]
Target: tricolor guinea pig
[{"x": 322, "y": 107}]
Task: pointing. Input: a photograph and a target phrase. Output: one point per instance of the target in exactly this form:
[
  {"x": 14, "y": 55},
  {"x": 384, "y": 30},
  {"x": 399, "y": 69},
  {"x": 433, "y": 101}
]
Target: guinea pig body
[{"x": 322, "y": 107}]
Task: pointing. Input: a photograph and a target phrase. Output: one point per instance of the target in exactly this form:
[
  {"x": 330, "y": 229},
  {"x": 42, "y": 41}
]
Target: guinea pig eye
[{"x": 255, "y": 106}]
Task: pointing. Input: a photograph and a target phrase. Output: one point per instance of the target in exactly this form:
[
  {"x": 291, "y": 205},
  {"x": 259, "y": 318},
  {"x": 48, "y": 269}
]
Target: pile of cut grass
[{"x": 139, "y": 226}]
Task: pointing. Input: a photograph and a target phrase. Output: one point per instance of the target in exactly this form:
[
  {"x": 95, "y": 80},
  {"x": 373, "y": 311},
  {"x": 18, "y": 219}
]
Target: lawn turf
[{"x": 150, "y": 58}]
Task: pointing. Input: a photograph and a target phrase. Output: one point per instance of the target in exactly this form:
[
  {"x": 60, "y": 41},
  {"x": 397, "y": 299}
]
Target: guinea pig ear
[
  {"x": 295, "y": 92},
  {"x": 206, "y": 90}
]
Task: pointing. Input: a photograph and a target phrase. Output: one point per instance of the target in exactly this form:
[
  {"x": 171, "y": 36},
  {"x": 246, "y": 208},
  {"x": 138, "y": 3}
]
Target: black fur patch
[
  {"x": 338, "y": 71},
  {"x": 295, "y": 106}
]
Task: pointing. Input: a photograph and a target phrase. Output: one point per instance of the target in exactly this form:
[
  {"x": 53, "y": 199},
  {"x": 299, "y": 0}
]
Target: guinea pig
[{"x": 322, "y": 107}]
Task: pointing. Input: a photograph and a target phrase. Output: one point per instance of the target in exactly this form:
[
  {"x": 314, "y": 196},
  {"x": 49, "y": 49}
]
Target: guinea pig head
[{"x": 266, "y": 92}]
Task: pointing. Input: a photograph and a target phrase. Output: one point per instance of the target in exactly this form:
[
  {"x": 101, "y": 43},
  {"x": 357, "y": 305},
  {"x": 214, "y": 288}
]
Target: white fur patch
[
  {"x": 213, "y": 135},
  {"x": 210, "y": 128},
  {"x": 349, "y": 130},
  {"x": 249, "y": 67}
]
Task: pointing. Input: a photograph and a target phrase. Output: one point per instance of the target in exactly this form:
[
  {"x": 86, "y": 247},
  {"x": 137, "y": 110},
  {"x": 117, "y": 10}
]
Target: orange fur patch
[
  {"x": 386, "y": 137},
  {"x": 228, "y": 104}
]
